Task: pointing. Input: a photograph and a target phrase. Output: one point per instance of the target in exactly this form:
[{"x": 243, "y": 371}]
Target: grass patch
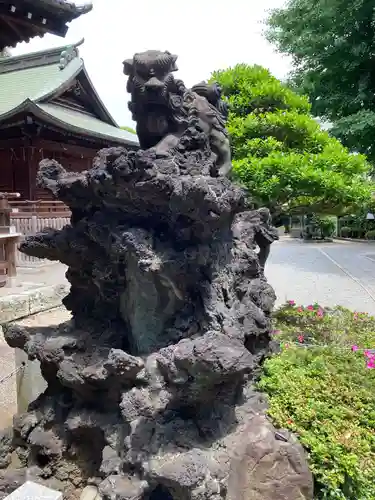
[{"x": 322, "y": 387}]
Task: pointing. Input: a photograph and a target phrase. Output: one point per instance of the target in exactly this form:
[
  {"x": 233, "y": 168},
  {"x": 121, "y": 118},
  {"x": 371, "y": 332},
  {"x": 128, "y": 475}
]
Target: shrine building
[{"x": 50, "y": 109}]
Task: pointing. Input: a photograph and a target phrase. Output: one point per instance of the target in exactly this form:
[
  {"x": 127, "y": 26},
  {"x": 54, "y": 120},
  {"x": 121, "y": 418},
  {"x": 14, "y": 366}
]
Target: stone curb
[
  {"x": 317, "y": 242},
  {"x": 355, "y": 240},
  {"x": 21, "y": 305}
]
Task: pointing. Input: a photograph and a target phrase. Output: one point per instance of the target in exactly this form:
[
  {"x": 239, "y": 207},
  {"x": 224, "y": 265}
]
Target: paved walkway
[
  {"x": 33, "y": 278},
  {"x": 329, "y": 273}
]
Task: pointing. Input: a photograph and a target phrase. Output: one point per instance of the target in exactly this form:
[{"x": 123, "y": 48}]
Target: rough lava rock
[{"x": 151, "y": 384}]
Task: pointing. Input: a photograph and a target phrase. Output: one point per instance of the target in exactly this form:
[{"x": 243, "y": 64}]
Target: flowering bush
[
  {"x": 322, "y": 387},
  {"x": 337, "y": 326}
]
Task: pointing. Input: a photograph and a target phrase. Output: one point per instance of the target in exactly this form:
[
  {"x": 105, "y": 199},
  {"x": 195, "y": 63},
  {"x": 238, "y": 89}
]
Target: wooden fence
[{"x": 30, "y": 217}]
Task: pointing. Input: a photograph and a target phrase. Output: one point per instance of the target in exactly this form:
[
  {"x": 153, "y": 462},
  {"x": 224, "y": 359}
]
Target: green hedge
[{"x": 322, "y": 387}]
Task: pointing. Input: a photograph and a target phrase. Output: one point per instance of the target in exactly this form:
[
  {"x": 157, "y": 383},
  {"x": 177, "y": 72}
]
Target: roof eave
[
  {"x": 70, "y": 8},
  {"x": 62, "y": 12},
  {"x": 43, "y": 115},
  {"x": 26, "y": 105},
  {"x": 29, "y": 106},
  {"x": 83, "y": 9},
  {"x": 66, "y": 11}
]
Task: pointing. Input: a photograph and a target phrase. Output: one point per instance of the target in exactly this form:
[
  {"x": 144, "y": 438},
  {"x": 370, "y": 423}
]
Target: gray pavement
[
  {"x": 339, "y": 273},
  {"x": 305, "y": 272},
  {"x": 34, "y": 278}
]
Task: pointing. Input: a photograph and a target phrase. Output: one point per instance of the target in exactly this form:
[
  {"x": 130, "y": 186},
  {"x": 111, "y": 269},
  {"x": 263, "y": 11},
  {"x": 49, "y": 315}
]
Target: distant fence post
[{"x": 34, "y": 224}]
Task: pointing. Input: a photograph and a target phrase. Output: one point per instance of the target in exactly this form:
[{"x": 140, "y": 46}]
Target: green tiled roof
[
  {"x": 31, "y": 81},
  {"x": 76, "y": 120}
]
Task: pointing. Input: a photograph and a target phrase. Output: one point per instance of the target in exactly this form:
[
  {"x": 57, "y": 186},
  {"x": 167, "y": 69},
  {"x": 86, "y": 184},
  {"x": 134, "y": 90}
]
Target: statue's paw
[
  {"x": 159, "y": 153},
  {"x": 162, "y": 154},
  {"x": 225, "y": 169}
]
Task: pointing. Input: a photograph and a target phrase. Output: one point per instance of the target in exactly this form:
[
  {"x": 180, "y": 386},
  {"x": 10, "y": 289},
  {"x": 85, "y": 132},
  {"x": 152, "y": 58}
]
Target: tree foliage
[
  {"x": 280, "y": 153},
  {"x": 332, "y": 44}
]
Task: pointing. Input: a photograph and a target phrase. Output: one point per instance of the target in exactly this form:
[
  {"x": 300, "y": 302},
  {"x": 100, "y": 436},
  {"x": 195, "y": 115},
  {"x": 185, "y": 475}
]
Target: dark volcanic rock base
[{"x": 150, "y": 386}]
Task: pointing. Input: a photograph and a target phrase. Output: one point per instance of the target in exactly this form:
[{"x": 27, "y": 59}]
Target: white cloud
[{"x": 206, "y": 36}]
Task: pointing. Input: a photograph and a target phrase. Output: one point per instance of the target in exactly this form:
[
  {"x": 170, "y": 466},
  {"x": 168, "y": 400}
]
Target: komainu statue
[
  {"x": 164, "y": 108},
  {"x": 151, "y": 385}
]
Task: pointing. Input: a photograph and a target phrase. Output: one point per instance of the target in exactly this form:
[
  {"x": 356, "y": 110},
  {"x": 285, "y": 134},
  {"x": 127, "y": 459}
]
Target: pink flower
[
  {"x": 300, "y": 309},
  {"x": 369, "y": 355},
  {"x": 300, "y": 338},
  {"x": 319, "y": 313},
  {"x": 354, "y": 348},
  {"x": 310, "y": 308},
  {"x": 292, "y": 302},
  {"x": 371, "y": 363}
]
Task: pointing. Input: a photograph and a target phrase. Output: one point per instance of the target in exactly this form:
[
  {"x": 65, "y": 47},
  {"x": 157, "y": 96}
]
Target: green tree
[
  {"x": 332, "y": 45},
  {"x": 280, "y": 153}
]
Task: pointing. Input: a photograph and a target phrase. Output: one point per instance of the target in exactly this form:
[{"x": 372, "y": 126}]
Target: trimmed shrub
[
  {"x": 327, "y": 227},
  {"x": 370, "y": 235},
  {"x": 345, "y": 231}
]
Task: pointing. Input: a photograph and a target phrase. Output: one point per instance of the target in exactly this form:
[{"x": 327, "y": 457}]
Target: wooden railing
[
  {"x": 40, "y": 208},
  {"x": 30, "y": 217}
]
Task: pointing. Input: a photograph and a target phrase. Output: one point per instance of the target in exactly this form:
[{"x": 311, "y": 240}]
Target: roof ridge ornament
[
  {"x": 69, "y": 53},
  {"x": 81, "y": 7}
]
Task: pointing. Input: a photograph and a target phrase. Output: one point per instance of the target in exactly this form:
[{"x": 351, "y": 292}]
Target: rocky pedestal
[{"x": 151, "y": 385}]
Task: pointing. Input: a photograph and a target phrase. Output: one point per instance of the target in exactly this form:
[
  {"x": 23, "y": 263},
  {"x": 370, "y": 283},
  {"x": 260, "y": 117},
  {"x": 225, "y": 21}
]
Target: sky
[{"x": 206, "y": 35}]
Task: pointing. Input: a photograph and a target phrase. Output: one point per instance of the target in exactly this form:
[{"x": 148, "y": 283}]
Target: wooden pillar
[
  {"x": 10, "y": 246},
  {"x": 8, "y": 241},
  {"x": 33, "y": 159},
  {"x": 21, "y": 181}
]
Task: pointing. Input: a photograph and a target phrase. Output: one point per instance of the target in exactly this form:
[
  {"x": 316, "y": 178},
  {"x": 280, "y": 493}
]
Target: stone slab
[
  {"x": 13, "y": 307},
  {"x": 20, "y": 379},
  {"x": 47, "y": 298},
  {"x": 34, "y": 491},
  {"x": 8, "y": 383},
  {"x": 25, "y": 303}
]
